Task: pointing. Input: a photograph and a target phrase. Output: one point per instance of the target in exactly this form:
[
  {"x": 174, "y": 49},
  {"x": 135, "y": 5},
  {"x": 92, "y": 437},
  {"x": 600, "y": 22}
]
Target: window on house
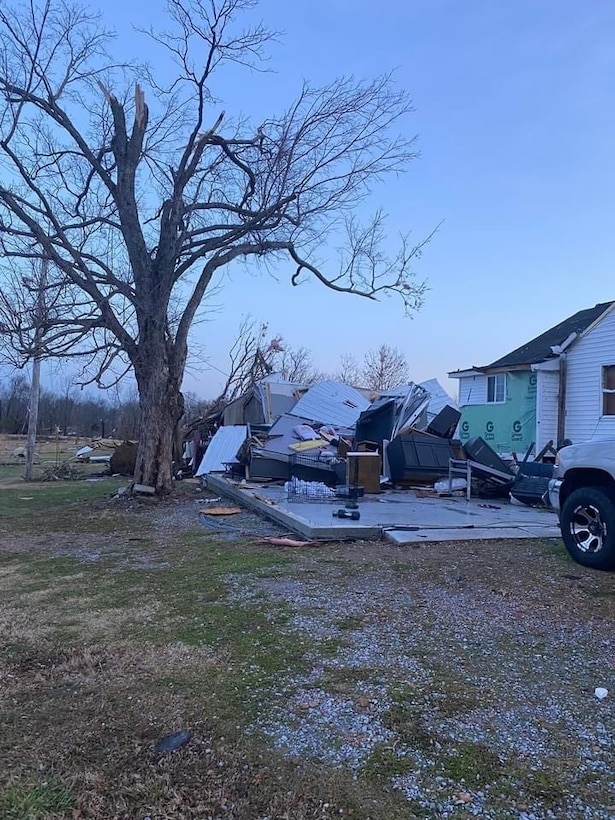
[
  {"x": 608, "y": 390},
  {"x": 496, "y": 388}
]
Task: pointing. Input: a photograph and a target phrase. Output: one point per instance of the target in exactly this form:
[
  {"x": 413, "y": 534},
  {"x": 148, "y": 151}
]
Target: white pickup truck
[{"x": 583, "y": 490}]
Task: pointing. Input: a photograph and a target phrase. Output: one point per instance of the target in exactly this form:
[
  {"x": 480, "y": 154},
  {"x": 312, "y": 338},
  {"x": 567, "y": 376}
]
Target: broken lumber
[
  {"x": 288, "y": 542},
  {"x": 220, "y": 511}
]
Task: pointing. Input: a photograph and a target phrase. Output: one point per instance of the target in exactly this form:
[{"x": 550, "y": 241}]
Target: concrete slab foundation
[
  {"x": 397, "y": 515},
  {"x": 473, "y": 534}
]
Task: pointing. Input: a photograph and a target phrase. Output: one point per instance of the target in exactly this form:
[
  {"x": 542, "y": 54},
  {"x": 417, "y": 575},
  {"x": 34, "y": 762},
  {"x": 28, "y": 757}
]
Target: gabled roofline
[
  {"x": 541, "y": 348},
  {"x": 598, "y": 320},
  {"x": 547, "y": 346}
]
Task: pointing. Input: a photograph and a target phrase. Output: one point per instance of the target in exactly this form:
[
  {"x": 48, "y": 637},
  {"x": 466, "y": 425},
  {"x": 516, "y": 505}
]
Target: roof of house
[{"x": 539, "y": 349}]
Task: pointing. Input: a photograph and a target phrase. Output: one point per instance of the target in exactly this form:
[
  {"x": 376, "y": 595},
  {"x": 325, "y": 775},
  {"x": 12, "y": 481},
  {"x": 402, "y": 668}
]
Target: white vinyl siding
[
  {"x": 547, "y": 398},
  {"x": 472, "y": 390},
  {"x": 584, "y": 391}
]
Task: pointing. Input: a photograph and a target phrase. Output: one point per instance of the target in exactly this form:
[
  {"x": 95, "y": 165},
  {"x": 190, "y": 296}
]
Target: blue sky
[{"x": 515, "y": 117}]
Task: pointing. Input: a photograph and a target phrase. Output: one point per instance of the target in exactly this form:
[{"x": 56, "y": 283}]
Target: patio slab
[{"x": 398, "y": 516}]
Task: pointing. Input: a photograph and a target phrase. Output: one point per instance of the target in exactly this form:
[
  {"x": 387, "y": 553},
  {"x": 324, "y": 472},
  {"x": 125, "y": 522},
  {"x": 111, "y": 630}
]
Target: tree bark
[
  {"x": 35, "y": 390},
  {"x": 33, "y": 418},
  {"x": 161, "y": 406}
]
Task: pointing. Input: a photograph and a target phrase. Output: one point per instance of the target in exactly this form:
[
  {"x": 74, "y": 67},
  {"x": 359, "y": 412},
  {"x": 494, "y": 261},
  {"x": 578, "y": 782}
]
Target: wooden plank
[{"x": 301, "y": 446}]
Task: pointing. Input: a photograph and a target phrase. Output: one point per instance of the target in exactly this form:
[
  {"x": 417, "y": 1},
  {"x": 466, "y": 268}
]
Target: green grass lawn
[
  {"x": 10, "y": 473},
  {"x": 107, "y": 656},
  {"x": 62, "y": 506}
]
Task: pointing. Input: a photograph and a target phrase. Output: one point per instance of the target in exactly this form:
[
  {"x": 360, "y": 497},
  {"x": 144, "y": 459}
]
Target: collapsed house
[{"x": 339, "y": 436}]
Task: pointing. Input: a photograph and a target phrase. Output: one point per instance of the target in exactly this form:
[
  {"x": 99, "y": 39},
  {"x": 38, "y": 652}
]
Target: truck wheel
[{"x": 587, "y": 520}]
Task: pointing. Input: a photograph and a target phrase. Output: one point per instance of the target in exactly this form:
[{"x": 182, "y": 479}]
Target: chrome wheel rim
[{"x": 587, "y": 528}]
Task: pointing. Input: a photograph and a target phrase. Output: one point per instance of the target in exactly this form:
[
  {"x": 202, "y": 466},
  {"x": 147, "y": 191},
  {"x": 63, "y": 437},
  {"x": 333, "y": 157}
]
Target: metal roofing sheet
[
  {"x": 412, "y": 413},
  {"x": 223, "y": 448},
  {"x": 438, "y": 397},
  {"x": 331, "y": 403}
]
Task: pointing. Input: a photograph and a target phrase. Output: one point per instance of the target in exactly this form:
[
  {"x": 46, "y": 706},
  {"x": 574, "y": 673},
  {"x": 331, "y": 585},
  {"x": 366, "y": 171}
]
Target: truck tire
[{"x": 587, "y": 521}]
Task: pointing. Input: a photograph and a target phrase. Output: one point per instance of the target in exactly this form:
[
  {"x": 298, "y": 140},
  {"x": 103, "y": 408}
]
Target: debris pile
[
  {"x": 333, "y": 435},
  {"x": 64, "y": 472},
  {"x": 121, "y": 455}
]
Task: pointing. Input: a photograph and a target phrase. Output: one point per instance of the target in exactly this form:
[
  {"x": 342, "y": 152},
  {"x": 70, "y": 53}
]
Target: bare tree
[
  {"x": 195, "y": 408},
  {"x": 24, "y": 316},
  {"x": 384, "y": 367},
  {"x": 255, "y": 354},
  {"x": 139, "y": 204},
  {"x": 126, "y": 416},
  {"x": 14, "y": 398},
  {"x": 67, "y": 399},
  {"x": 295, "y": 364},
  {"x": 349, "y": 371},
  {"x": 250, "y": 358},
  {"x": 27, "y": 311}
]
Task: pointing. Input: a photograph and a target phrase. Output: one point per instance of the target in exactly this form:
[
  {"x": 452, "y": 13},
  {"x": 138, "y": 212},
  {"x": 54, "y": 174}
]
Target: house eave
[
  {"x": 510, "y": 368},
  {"x": 557, "y": 350},
  {"x": 462, "y": 374},
  {"x": 550, "y": 365}
]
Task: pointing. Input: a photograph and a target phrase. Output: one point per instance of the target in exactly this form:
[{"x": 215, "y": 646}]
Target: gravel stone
[{"x": 531, "y": 671}]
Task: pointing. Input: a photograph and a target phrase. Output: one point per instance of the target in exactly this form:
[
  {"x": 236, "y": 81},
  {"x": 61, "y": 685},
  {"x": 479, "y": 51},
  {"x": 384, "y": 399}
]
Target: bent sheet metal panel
[
  {"x": 438, "y": 397},
  {"x": 331, "y": 403},
  {"x": 223, "y": 448}
]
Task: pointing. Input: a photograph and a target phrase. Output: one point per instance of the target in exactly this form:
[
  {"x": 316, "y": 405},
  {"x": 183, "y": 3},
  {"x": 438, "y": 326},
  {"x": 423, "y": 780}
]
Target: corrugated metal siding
[
  {"x": 222, "y": 448},
  {"x": 331, "y": 403},
  {"x": 472, "y": 390},
  {"x": 547, "y": 397},
  {"x": 586, "y": 358}
]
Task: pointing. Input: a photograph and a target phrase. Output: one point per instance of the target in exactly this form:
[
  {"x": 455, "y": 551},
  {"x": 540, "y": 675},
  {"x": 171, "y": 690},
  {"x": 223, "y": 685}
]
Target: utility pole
[{"x": 35, "y": 389}]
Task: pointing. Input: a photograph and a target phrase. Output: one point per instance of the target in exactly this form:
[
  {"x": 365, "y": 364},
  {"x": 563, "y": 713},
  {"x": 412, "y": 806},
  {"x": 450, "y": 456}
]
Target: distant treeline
[{"x": 71, "y": 411}]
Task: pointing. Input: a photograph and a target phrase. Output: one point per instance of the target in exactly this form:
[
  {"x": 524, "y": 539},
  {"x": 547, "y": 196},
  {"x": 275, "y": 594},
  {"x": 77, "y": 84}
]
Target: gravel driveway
[{"x": 464, "y": 675}]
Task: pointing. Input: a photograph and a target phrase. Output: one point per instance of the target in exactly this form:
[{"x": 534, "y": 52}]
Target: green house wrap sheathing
[{"x": 508, "y": 426}]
